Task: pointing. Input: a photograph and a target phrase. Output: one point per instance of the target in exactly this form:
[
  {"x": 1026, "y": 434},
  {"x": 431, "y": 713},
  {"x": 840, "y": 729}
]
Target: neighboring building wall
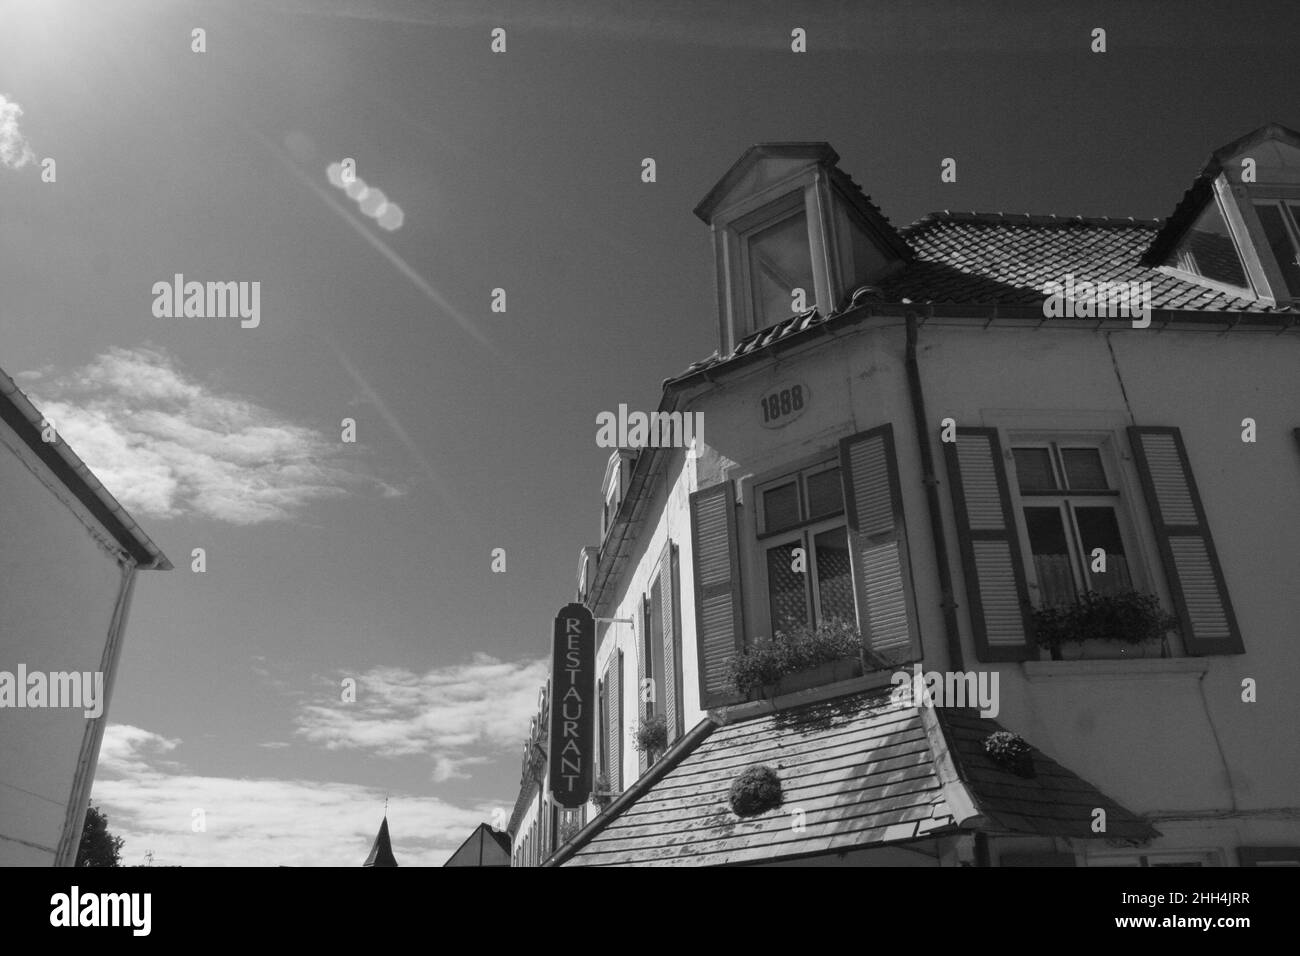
[{"x": 60, "y": 590}]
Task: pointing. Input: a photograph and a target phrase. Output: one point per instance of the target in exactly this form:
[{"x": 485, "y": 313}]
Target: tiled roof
[
  {"x": 984, "y": 259},
  {"x": 866, "y": 771}
]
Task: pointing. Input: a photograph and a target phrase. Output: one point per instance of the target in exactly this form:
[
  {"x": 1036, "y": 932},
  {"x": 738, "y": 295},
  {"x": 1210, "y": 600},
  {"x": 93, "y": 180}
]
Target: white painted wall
[
  {"x": 1170, "y": 738},
  {"x": 58, "y": 590}
]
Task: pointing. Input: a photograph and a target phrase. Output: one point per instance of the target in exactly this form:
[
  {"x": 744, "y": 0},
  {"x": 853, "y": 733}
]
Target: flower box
[
  {"x": 1105, "y": 626},
  {"x": 798, "y": 659},
  {"x": 829, "y": 672}
]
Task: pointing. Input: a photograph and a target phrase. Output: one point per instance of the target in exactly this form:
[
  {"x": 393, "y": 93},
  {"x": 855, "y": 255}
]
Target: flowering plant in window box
[
  {"x": 800, "y": 658},
  {"x": 652, "y": 736},
  {"x": 1127, "y": 617}
]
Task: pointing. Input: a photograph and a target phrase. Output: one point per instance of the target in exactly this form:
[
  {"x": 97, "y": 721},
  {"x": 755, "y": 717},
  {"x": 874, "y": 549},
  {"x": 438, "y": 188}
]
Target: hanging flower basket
[
  {"x": 1011, "y": 752},
  {"x": 600, "y": 792},
  {"x": 755, "y": 791},
  {"x": 652, "y": 735}
]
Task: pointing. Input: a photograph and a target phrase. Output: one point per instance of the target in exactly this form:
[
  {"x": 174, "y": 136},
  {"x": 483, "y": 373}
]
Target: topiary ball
[{"x": 755, "y": 791}]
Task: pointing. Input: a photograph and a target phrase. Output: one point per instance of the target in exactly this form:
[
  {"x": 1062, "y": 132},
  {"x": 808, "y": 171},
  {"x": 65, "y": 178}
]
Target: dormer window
[
  {"x": 1238, "y": 228},
  {"x": 1209, "y": 250},
  {"x": 1279, "y": 221},
  {"x": 790, "y": 233},
  {"x": 779, "y": 262},
  {"x": 618, "y": 470}
]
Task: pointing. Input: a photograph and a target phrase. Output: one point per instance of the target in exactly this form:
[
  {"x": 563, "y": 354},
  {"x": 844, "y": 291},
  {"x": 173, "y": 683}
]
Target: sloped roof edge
[{"x": 25, "y": 419}]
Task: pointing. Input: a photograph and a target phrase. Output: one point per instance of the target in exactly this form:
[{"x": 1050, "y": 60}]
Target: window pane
[
  {"x": 785, "y": 589},
  {"x": 1270, "y": 217},
  {"x": 1210, "y": 246},
  {"x": 1099, "y": 528},
  {"x": 825, "y": 495},
  {"x": 1083, "y": 469},
  {"x": 834, "y": 576},
  {"x": 1048, "y": 543},
  {"x": 780, "y": 261},
  {"x": 1034, "y": 469},
  {"x": 781, "y": 507}
]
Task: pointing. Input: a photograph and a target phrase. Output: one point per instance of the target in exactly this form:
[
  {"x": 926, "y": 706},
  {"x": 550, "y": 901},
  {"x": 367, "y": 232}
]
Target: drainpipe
[{"x": 931, "y": 482}]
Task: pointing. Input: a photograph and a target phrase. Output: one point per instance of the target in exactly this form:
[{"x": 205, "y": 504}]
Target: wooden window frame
[
  {"x": 803, "y": 533},
  {"x": 1113, "y": 496}
]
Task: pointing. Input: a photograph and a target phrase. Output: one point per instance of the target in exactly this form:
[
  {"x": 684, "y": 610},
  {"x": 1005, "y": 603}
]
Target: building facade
[
  {"x": 70, "y": 556},
  {"x": 1049, "y": 462}
]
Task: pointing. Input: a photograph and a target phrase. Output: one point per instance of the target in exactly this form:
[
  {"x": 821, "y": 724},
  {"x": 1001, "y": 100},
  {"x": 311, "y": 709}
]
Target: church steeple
[{"x": 381, "y": 854}]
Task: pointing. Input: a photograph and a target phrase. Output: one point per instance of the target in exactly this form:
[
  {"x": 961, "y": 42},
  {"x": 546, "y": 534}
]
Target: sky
[{"x": 475, "y": 430}]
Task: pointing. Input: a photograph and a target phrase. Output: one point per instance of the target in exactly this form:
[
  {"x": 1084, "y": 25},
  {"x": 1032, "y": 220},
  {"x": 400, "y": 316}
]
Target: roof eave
[{"x": 26, "y": 420}]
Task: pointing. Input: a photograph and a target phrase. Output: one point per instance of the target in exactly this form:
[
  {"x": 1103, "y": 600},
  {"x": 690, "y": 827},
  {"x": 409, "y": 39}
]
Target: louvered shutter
[
  {"x": 878, "y": 543},
  {"x": 642, "y": 637},
  {"x": 990, "y": 547},
  {"x": 1191, "y": 563},
  {"x": 614, "y": 721},
  {"x": 719, "y": 631},
  {"x": 672, "y": 635}
]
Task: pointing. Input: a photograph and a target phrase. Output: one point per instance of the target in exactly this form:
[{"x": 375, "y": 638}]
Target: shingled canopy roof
[{"x": 867, "y": 771}]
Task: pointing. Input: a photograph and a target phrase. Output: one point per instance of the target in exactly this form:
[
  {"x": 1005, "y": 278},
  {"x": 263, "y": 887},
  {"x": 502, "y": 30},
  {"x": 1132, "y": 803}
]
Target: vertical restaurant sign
[{"x": 573, "y": 706}]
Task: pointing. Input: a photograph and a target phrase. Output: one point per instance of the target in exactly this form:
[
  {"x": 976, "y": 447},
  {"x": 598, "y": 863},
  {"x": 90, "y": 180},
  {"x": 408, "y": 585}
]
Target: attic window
[
  {"x": 1208, "y": 250},
  {"x": 779, "y": 261},
  {"x": 1280, "y": 220}
]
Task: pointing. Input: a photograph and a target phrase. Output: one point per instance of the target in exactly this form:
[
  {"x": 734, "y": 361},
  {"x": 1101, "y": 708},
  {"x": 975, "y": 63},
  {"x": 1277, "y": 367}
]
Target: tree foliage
[{"x": 98, "y": 846}]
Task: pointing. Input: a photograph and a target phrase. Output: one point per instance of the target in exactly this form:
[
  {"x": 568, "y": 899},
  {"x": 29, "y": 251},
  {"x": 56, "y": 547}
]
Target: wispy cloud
[
  {"x": 458, "y": 716},
  {"x": 15, "y": 153},
  {"x": 166, "y": 445},
  {"x": 260, "y": 821}
]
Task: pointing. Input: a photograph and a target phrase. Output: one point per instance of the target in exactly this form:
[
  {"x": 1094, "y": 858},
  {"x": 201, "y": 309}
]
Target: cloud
[
  {"x": 15, "y": 152},
  {"x": 261, "y": 821},
  {"x": 165, "y": 445},
  {"x": 454, "y": 715},
  {"x": 126, "y": 749}
]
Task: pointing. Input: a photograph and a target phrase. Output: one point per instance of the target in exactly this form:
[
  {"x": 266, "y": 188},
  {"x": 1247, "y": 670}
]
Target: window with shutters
[
  {"x": 1074, "y": 519},
  {"x": 803, "y": 538},
  {"x": 1030, "y": 523}
]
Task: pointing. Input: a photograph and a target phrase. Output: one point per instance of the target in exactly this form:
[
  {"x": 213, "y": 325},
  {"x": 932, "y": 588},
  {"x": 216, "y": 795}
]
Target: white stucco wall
[
  {"x": 1178, "y": 739},
  {"x": 58, "y": 590},
  {"x": 1170, "y": 738}
]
